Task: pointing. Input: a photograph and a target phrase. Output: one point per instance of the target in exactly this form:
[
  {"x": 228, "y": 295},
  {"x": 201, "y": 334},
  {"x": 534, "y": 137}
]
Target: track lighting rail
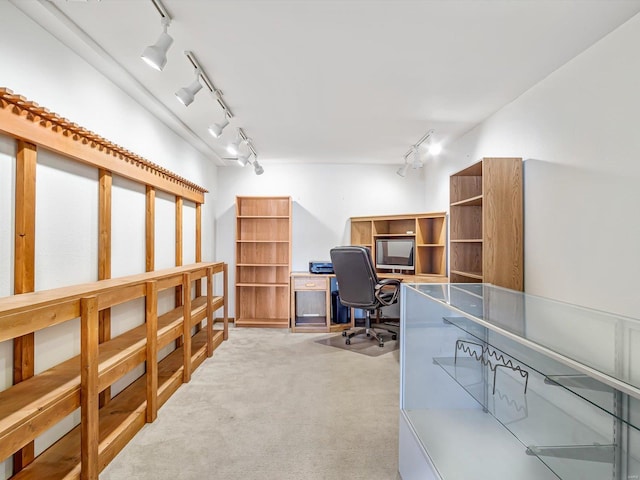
[
  {"x": 161, "y": 9},
  {"x": 423, "y": 139}
]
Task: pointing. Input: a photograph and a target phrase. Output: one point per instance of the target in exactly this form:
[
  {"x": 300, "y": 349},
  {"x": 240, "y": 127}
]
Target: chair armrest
[{"x": 390, "y": 296}]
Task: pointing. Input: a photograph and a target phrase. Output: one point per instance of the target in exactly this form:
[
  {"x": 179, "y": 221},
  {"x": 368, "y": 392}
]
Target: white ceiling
[{"x": 348, "y": 81}]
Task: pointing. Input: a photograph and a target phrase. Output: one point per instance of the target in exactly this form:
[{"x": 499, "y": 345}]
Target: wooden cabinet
[
  {"x": 263, "y": 261},
  {"x": 311, "y": 304},
  {"x": 486, "y": 224},
  {"x": 429, "y": 232}
]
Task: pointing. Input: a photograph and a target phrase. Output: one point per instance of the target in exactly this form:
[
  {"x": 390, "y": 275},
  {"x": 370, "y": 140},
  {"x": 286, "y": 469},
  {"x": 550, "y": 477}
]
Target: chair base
[{"x": 370, "y": 332}]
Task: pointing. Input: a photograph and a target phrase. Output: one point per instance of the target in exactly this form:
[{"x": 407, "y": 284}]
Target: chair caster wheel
[
  {"x": 381, "y": 344},
  {"x": 344, "y": 333},
  {"x": 394, "y": 337},
  {"x": 347, "y": 341},
  {"x": 368, "y": 334}
]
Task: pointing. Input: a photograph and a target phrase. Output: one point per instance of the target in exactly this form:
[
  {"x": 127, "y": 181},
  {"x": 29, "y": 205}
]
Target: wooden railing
[{"x": 31, "y": 407}]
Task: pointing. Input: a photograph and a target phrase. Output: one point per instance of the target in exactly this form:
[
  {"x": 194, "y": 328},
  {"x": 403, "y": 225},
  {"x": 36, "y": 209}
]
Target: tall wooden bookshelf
[
  {"x": 263, "y": 261},
  {"x": 429, "y": 231},
  {"x": 486, "y": 223}
]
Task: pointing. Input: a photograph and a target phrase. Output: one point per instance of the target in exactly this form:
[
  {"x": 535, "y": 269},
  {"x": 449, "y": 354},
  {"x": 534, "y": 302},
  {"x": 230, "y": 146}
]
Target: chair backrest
[{"x": 355, "y": 275}]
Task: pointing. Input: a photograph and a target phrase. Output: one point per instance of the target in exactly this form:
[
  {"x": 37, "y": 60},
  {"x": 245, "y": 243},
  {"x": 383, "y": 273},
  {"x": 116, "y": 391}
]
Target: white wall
[
  {"x": 38, "y": 66},
  {"x": 324, "y": 197},
  {"x": 577, "y": 132}
]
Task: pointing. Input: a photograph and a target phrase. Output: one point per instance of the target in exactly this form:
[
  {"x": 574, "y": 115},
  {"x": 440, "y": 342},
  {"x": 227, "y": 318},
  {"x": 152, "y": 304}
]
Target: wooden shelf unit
[
  {"x": 31, "y": 407},
  {"x": 263, "y": 261},
  {"x": 486, "y": 223},
  {"x": 429, "y": 231}
]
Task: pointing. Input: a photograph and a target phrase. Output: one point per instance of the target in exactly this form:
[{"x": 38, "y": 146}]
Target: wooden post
[
  {"x": 104, "y": 260},
  {"x": 179, "y": 203},
  {"x": 150, "y": 217},
  {"x": 209, "y": 312},
  {"x": 199, "y": 255},
  {"x": 198, "y": 232},
  {"x": 24, "y": 270},
  {"x": 198, "y": 245},
  {"x": 179, "y": 289},
  {"x": 89, "y": 388},
  {"x": 186, "y": 327},
  {"x": 152, "y": 350}
]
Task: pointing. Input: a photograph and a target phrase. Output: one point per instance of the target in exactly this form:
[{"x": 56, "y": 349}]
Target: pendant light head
[
  {"x": 234, "y": 147},
  {"x": 243, "y": 159},
  {"x": 187, "y": 94},
  {"x": 257, "y": 168},
  {"x": 216, "y": 129},
  {"x": 417, "y": 161},
  {"x": 156, "y": 55},
  {"x": 402, "y": 171}
]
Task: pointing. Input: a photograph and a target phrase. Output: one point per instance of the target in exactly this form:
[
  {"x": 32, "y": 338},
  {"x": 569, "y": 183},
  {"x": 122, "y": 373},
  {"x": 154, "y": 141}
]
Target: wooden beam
[
  {"x": 179, "y": 205},
  {"x": 209, "y": 312},
  {"x": 151, "y": 318},
  {"x": 24, "y": 270},
  {"x": 179, "y": 295},
  {"x": 25, "y": 222},
  {"x": 20, "y": 118},
  {"x": 89, "y": 389},
  {"x": 104, "y": 259},
  {"x": 198, "y": 244},
  {"x": 104, "y": 224},
  {"x": 150, "y": 216},
  {"x": 186, "y": 327},
  {"x": 23, "y": 314},
  {"x": 198, "y": 232}
]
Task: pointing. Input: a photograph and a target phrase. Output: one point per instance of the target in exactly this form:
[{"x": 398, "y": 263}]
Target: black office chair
[{"x": 359, "y": 287}]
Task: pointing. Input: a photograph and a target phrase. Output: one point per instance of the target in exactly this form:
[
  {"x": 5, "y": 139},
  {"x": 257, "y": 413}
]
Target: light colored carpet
[{"x": 274, "y": 405}]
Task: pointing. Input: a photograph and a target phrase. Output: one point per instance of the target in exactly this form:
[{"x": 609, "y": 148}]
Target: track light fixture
[
  {"x": 243, "y": 158},
  {"x": 417, "y": 161},
  {"x": 234, "y": 147},
  {"x": 156, "y": 55},
  {"x": 187, "y": 94},
  {"x": 402, "y": 171},
  {"x": 257, "y": 168},
  {"x": 415, "y": 156},
  {"x": 215, "y": 129},
  {"x": 244, "y": 155}
]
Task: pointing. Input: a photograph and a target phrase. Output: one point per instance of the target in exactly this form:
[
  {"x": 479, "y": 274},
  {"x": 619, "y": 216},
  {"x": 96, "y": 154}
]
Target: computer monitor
[{"x": 395, "y": 253}]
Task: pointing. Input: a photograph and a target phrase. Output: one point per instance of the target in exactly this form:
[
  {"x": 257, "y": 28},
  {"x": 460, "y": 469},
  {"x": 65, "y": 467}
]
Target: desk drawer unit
[{"x": 310, "y": 283}]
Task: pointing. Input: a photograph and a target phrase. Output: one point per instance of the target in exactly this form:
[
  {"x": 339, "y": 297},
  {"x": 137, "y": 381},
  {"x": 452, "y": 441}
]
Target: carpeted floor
[{"x": 274, "y": 405}]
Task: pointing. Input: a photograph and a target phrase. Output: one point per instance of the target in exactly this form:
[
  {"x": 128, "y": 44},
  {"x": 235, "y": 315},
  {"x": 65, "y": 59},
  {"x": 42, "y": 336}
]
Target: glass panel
[{"x": 478, "y": 381}]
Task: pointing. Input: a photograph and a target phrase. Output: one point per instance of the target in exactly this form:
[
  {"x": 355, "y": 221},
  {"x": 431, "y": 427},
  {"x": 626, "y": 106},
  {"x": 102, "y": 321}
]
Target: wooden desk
[
  {"x": 311, "y": 300},
  {"x": 311, "y": 304},
  {"x": 416, "y": 278}
]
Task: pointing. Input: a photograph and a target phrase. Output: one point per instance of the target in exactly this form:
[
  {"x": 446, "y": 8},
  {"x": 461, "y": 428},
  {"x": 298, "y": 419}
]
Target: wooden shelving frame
[
  {"x": 36, "y": 128},
  {"x": 263, "y": 261},
  {"x": 429, "y": 231},
  {"x": 486, "y": 223},
  {"x": 34, "y": 405}
]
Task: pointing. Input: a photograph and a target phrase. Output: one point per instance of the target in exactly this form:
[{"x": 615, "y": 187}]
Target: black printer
[{"x": 318, "y": 266}]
